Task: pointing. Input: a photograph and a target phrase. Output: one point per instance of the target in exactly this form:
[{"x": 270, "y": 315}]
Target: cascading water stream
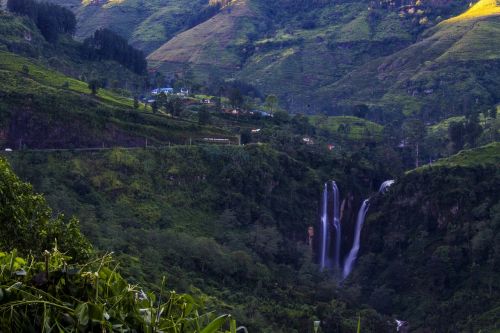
[
  {"x": 336, "y": 223},
  {"x": 324, "y": 229},
  {"x": 351, "y": 258},
  {"x": 360, "y": 220},
  {"x": 385, "y": 186}
]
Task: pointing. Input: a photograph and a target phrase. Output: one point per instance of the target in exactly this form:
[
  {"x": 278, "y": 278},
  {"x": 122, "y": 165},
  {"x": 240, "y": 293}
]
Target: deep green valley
[{"x": 249, "y": 166}]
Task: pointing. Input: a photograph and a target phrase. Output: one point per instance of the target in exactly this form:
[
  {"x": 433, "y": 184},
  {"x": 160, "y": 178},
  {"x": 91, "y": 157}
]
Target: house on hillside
[
  {"x": 184, "y": 91},
  {"x": 166, "y": 90}
]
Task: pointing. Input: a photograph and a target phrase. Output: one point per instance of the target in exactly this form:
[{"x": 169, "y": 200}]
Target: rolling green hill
[
  {"x": 283, "y": 55},
  {"x": 451, "y": 70},
  {"x": 322, "y": 60},
  {"x": 42, "y": 108},
  {"x": 315, "y": 56},
  {"x": 146, "y": 24}
]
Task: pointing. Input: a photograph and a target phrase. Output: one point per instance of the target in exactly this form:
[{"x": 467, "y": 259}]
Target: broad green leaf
[
  {"x": 232, "y": 324},
  {"x": 216, "y": 324},
  {"x": 82, "y": 314}
]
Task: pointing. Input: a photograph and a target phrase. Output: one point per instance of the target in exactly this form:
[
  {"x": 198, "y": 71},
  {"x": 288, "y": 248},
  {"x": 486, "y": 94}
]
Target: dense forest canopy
[
  {"x": 105, "y": 44},
  {"x": 51, "y": 19}
]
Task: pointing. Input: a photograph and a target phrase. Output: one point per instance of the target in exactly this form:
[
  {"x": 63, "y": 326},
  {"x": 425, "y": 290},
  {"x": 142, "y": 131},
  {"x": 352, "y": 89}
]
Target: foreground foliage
[{"x": 50, "y": 295}]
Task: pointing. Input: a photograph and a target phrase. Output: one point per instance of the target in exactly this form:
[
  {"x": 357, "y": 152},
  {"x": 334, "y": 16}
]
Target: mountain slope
[
  {"x": 295, "y": 54},
  {"x": 454, "y": 68},
  {"x": 430, "y": 251},
  {"x": 146, "y": 24},
  {"x": 207, "y": 43},
  {"x": 42, "y": 108}
]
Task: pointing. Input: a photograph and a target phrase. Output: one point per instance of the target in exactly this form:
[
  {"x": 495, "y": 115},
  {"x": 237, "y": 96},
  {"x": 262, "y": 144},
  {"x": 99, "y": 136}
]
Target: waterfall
[
  {"x": 324, "y": 229},
  {"x": 336, "y": 223},
  {"x": 351, "y": 258},
  {"x": 385, "y": 186}
]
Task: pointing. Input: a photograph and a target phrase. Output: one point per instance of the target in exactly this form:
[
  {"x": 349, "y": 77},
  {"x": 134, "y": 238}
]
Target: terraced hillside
[{"x": 42, "y": 108}]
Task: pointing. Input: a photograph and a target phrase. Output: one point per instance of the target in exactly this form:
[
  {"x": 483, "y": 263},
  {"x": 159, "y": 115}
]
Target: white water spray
[
  {"x": 336, "y": 223},
  {"x": 351, "y": 258},
  {"x": 385, "y": 186},
  {"x": 324, "y": 228}
]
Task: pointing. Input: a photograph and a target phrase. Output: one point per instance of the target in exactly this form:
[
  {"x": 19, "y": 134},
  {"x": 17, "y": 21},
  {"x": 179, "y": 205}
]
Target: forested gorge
[{"x": 211, "y": 206}]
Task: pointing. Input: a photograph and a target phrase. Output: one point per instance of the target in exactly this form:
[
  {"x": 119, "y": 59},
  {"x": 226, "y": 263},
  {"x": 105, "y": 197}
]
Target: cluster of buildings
[
  {"x": 169, "y": 90},
  {"x": 183, "y": 92}
]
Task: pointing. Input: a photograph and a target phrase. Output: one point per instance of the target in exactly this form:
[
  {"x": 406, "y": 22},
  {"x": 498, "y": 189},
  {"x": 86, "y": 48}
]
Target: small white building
[{"x": 166, "y": 90}]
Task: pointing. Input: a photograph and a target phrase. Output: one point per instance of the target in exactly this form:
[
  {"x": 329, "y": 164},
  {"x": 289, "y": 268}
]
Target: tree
[
  {"x": 204, "y": 116},
  {"x": 25, "y": 69},
  {"x": 344, "y": 129},
  {"x": 51, "y": 19},
  {"x": 281, "y": 117},
  {"x": 456, "y": 134},
  {"x": 28, "y": 224},
  {"x": 271, "y": 103},
  {"x": 472, "y": 128},
  {"x": 235, "y": 98},
  {"x": 246, "y": 137},
  {"x": 171, "y": 103},
  {"x": 493, "y": 113},
  {"x": 94, "y": 86},
  {"x": 154, "y": 106},
  {"x": 361, "y": 110},
  {"x": 107, "y": 45}
]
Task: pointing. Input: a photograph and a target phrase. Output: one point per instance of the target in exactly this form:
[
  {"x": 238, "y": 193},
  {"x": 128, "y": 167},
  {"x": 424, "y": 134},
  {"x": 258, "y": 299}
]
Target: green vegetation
[
  {"x": 28, "y": 224},
  {"x": 69, "y": 292},
  {"x": 231, "y": 225},
  {"x": 300, "y": 54},
  {"x": 489, "y": 154},
  {"x": 107, "y": 45},
  {"x": 62, "y": 113},
  {"x": 431, "y": 250},
  {"x": 451, "y": 71},
  {"x": 230, "y": 221},
  {"x": 52, "y": 20},
  {"x": 45, "y": 79},
  {"x": 481, "y": 8},
  {"x": 52, "y": 295},
  {"x": 356, "y": 129}
]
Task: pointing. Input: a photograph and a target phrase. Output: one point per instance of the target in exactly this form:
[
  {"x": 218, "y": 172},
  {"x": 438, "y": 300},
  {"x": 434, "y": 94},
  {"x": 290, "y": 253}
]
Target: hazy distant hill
[{"x": 303, "y": 51}]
